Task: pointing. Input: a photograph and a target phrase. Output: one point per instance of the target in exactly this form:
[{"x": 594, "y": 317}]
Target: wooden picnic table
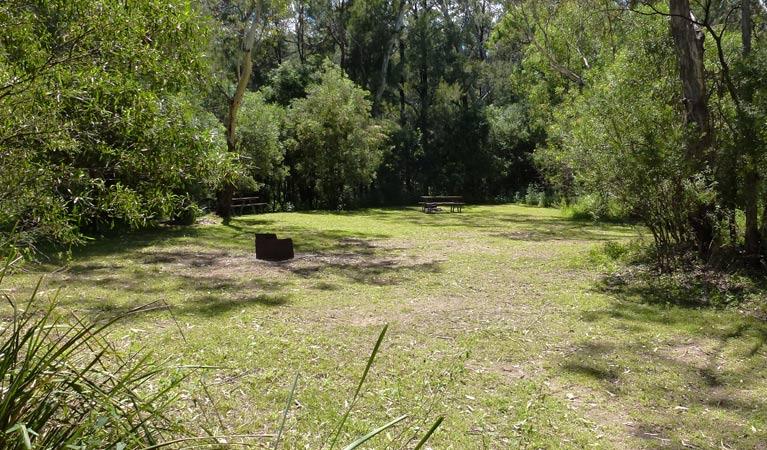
[
  {"x": 430, "y": 203},
  {"x": 248, "y": 202}
]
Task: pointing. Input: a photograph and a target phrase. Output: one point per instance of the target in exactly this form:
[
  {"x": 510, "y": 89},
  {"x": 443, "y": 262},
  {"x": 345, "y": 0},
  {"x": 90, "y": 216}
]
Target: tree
[
  {"x": 688, "y": 44},
  {"x": 708, "y": 156},
  {"x": 259, "y": 145},
  {"x": 625, "y": 140},
  {"x": 224, "y": 196},
  {"x": 741, "y": 155},
  {"x": 96, "y": 125},
  {"x": 336, "y": 147}
]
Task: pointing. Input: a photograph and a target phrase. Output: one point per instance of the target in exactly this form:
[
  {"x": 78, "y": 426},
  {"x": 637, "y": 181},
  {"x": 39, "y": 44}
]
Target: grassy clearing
[{"x": 501, "y": 319}]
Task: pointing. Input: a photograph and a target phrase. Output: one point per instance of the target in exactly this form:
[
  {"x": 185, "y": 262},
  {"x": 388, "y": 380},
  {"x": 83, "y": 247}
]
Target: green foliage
[
  {"x": 370, "y": 25},
  {"x": 623, "y": 139},
  {"x": 288, "y": 82},
  {"x": 259, "y": 133},
  {"x": 614, "y": 254},
  {"x": 535, "y": 195},
  {"x": 335, "y": 146},
  {"x": 65, "y": 386},
  {"x": 96, "y": 123},
  {"x": 605, "y": 84},
  {"x": 595, "y": 207},
  {"x": 564, "y": 42}
]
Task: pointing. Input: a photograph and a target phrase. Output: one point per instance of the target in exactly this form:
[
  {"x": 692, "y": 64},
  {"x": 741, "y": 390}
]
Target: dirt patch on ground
[{"x": 697, "y": 354}]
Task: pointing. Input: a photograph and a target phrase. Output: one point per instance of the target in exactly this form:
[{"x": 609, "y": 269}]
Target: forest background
[{"x": 119, "y": 115}]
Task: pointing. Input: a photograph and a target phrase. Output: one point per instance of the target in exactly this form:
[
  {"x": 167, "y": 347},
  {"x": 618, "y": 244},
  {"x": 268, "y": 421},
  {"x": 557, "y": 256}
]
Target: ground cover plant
[{"x": 518, "y": 326}]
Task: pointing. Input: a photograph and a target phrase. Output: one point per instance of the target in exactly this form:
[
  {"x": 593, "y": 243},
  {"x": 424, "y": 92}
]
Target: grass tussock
[{"x": 64, "y": 386}]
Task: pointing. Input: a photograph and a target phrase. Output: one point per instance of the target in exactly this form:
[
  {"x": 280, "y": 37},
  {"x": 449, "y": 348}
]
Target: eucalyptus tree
[
  {"x": 709, "y": 165},
  {"x": 243, "y": 24},
  {"x": 725, "y": 138}
]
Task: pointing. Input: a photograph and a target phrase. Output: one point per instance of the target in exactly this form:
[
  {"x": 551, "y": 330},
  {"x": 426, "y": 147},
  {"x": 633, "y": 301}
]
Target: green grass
[{"x": 501, "y": 319}]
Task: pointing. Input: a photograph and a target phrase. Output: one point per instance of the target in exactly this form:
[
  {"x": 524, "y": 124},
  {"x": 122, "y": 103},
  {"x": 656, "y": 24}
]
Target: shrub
[
  {"x": 536, "y": 196},
  {"x": 596, "y": 208}
]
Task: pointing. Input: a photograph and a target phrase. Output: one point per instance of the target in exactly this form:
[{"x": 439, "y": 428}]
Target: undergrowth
[{"x": 632, "y": 270}]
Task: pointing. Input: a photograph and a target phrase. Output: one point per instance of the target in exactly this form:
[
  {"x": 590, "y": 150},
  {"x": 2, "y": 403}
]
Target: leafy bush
[
  {"x": 640, "y": 162},
  {"x": 99, "y": 120},
  {"x": 612, "y": 252},
  {"x": 536, "y": 196},
  {"x": 596, "y": 208}
]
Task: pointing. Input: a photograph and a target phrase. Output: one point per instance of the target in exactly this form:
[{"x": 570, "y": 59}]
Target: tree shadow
[
  {"x": 211, "y": 305},
  {"x": 683, "y": 360},
  {"x": 132, "y": 242},
  {"x": 546, "y": 225},
  {"x": 686, "y": 289},
  {"x": 361, "y": 269},
  {"x": 591, "y": 360},
  {"x": 201, "y": 272}
]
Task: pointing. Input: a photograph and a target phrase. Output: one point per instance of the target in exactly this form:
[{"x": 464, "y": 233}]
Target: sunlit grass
[{"x": 502, "y": 320}]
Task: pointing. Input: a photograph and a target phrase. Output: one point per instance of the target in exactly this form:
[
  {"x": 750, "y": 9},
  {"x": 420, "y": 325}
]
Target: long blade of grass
[
  {"x": 285, "y": 413},
  {"x": 359, "y": 386},
  {"x": 12, "y": 256},
  {"x": 429, "y": 433},
  {"x": 22, "y": 429},
  {"x": 205, "y": 438},
  {"x": 375, "y": 432}
]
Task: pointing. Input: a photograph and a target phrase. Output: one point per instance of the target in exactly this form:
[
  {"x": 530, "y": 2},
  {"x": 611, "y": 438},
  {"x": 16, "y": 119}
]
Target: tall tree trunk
[
  {"x": 386, "y": 57},
  {"x": 401, "y": 84},
  {"x": 751, "y": 178},
  {"x": 224, "y": 196},
  {"x": 481, "y": 30},
  {"x": 688, "y": 44},
  {"x": 339, "y": 33},
  {"x": 300, "y": 31},
  {"x": 745, "y": 27}
]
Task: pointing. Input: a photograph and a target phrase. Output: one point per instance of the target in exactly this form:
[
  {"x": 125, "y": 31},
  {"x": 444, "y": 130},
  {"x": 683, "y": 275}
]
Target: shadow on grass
[
  {"x": 362, "y": 270},
  {"x": 133, "y": 242},
  {"x": 200, "y": 303},
  {"x": 685, "y": 357},
  {"x": 186, "y": 262},
  {"x": 592, "y": 360},
  {"x": 212, "y": 269},
  {"x": 312, "y": 240},
  {"x": 528, "y": 224},
  {"x": 692, "y": 288},
  {"x": 211, "y": 305}
]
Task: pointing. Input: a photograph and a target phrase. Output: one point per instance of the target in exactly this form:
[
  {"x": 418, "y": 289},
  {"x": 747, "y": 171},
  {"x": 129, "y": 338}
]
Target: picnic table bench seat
[
  {"x": 241, "y": 203},
  {"x": 431, "y": 203}
]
